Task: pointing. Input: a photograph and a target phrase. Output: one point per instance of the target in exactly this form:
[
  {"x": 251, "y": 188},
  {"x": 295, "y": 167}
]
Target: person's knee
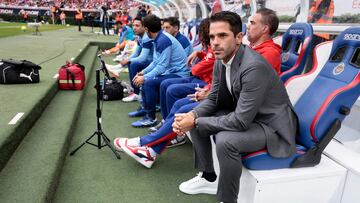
[
  {"x": 179, "y": 103},
  {"x": 172, "y": 90},
  {"x": 150, "y": 83},
  {"x": 223, "y": 144},
  {"x": 163, "y": 86},
  {"x": 184, "y": 109},
  {"x": 136, "y": 66}
]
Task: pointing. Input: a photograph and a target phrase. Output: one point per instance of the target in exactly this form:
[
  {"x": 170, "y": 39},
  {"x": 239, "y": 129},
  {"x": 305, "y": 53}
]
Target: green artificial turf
[
  {"x": 39, "y": 158},
  {"x": 12, "y": 29},
  {"x": 94, "y": 175},
  {"x": 51, "y": 49}
]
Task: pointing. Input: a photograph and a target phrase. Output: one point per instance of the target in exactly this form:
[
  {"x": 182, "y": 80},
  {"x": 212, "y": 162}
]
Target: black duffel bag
[
  {"x": 18, "y": 72},
  {"x": 112, "y": 89}
]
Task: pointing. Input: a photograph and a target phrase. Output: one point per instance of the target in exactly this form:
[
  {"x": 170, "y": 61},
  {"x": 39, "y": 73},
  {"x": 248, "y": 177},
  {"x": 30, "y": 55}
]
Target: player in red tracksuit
[{"x": 260, "y": 28}]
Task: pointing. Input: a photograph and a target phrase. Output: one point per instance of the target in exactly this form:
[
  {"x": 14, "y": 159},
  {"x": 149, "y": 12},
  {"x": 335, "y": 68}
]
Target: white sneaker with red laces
[
  {"x": 131, "y": 98},
  {"x": 132, "y": 141},
  {"x": 140, "y": 154},
  {"x": 198, "y": 185}
]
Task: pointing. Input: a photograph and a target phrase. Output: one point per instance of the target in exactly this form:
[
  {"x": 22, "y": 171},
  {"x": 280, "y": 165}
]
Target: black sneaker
[
  {"x": 177, "y": 141},
  {"x": 157, "y": 127}
]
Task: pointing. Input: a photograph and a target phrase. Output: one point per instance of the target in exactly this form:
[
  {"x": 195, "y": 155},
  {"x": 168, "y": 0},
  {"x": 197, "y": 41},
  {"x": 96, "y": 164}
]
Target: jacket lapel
[{"x": 236, "y": 65}]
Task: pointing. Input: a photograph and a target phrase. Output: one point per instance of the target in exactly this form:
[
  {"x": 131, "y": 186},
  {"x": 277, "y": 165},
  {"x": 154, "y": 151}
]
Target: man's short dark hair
[
  {"x": 139, "y": 19},
  {"x": 152, "y": 23},
  {"x": 269, "y": 17},
  {"x": 232, "y": 18},
  {"x": 173, "y": 21},
  {"x": 118, "y": 22}
]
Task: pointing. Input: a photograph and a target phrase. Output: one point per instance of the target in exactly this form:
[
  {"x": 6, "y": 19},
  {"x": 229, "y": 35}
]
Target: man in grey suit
[{"x": 247, "y": 110}]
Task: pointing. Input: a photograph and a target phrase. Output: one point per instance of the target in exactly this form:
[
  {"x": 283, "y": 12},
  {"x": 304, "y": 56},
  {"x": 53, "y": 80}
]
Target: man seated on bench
[
  {"x": 172, "y": 89},
  {"x": 262, "y": 25},
  {"x": 248, "y": 109},
  {"x": 172, "y": 25},
  {"x": 169, "y": 61},
  {"x": 126, "y": 33},
  {"x": 139, "y": 59}
]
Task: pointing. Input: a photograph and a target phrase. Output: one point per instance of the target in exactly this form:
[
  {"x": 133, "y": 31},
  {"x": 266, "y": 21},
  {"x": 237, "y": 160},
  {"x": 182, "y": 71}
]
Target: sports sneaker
[
  {"x": 131, "y": 98},
  {"x": 198, "y": 185},
  {"x": 157, "y": 127},
  {"x": 140, "y": 154},
  {"x": 135, "y": 142},
  {"x": 138, "y": 113},
  {"x": 146, "y": 121},
  {"x": 114, "y": 67},
  {"x": 117, "y": 142},
  {"x": 177, "y": 141},
  {"x": 120, "y": 57}
]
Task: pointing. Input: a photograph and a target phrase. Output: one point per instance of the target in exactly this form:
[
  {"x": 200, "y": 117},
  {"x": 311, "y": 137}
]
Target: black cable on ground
[{"x": 61, "y": 53}]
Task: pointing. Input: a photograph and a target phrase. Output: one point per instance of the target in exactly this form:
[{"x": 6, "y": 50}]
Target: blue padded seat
[
  {"x": 322, "y": 107},
  {"x": 298, "y": 36}
]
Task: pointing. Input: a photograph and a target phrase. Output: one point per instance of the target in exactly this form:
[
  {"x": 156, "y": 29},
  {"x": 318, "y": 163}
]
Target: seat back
[
  {"x": 278, "y": 40},
  {"x": 331, "y": 95},
  {"x": 296, "y": 45},
  {"x": 187, "y": 28},
  {"x": 296, "y": 85},
  {"x": 245, "y": 40},
  {"x": 196, "y": 43}
]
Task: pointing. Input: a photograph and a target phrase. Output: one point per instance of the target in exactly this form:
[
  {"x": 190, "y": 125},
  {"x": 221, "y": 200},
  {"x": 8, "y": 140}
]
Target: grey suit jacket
[{"x": 257, "y": 95}]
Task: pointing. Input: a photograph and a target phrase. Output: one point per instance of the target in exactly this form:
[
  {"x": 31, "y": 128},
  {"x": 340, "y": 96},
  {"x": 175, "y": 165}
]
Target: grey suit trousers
[{"x": 229, "y": 146}]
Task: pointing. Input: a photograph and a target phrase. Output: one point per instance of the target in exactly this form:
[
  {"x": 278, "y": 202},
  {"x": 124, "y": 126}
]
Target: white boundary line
[{"x": 16, "y": 118}]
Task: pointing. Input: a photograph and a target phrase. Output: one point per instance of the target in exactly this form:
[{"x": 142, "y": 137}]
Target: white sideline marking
[
  {"x": 56, "y": 75},
  {"x": 16, "y": 118},
  {"x": 80, "y": 50},
  {"x": 72, "y": 59}
]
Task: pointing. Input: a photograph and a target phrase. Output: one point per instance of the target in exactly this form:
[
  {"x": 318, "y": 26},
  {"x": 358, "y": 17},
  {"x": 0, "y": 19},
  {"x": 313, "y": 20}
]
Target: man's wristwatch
[
  {"x": 195, "y": 118},
  {"x": 196, "y": 123}
]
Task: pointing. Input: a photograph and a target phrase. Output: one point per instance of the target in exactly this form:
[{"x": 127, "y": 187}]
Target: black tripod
[{"x": 100, "y": 134}]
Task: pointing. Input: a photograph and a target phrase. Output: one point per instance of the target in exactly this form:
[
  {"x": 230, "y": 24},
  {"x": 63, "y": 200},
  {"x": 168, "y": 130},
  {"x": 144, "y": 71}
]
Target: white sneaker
[
  {"x": 117, "y": 66},
  {"x": 140, "y": 154},
  {"x": 117, "y": 144},
  {"x": 198, "y": 185},
  {"x": 127, "y": 87},
  {"x": 123, "y": 55},
  {"x": 131, "y": 98}
]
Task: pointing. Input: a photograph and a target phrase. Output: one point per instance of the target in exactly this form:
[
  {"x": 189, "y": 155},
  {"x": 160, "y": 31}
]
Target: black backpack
[
  {"x": 18, "y": 72},
  {"x": 112, "y": 89}
]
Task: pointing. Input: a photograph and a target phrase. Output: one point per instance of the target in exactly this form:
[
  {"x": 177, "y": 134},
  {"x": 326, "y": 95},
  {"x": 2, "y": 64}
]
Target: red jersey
[
  {"x": 271, "y": 52},
  {"x": 204, "y": 68}
]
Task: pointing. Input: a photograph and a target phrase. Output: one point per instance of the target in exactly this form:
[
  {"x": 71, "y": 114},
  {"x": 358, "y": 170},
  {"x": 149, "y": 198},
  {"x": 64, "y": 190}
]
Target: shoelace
[{"x": 197, "y": 178}]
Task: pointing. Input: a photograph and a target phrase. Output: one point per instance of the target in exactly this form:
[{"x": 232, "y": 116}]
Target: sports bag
[
  {"x": 112, "y": 89},
  {"x": 18, "y": 72},
  {"x": 71, "y": 77}
]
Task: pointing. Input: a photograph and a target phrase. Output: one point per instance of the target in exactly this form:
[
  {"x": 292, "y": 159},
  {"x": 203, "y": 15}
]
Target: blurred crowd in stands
[{"x": 69, "y": 4}]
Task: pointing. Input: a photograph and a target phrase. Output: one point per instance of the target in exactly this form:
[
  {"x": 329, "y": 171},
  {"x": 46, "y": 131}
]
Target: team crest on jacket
[{"x": 339, "y": 68}]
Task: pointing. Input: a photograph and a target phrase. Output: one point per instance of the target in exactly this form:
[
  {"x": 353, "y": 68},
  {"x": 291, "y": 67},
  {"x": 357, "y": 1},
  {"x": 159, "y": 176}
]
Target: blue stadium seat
[
  {"x": 322, "y": 107},
  {"x": 297, "y": 37},
  {"x": 196, "y": 43},
  {"x": 244, "y": 28}
]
